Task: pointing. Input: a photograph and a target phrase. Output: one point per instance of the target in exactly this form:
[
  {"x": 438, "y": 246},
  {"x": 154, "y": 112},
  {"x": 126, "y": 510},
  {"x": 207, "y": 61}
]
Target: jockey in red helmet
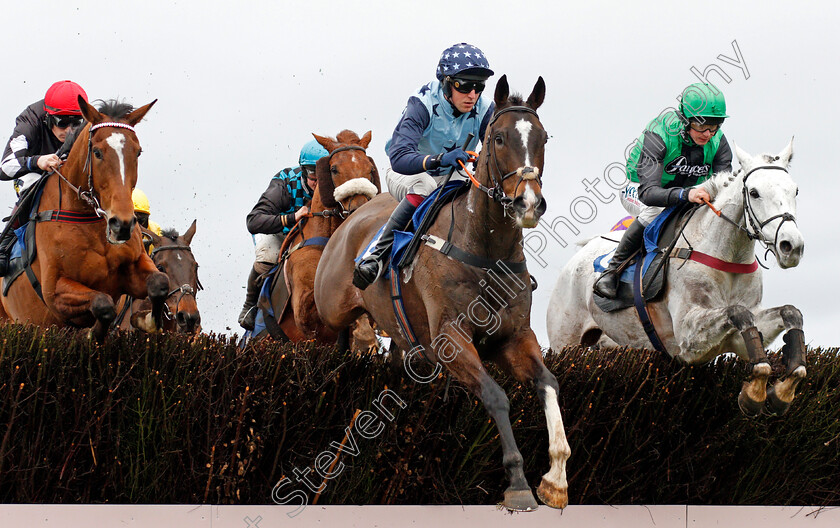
[{"x": 40, "y": 130}]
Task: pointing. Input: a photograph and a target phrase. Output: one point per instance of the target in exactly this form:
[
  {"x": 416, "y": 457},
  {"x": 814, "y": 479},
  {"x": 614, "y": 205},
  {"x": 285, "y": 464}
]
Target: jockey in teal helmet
[
  {"x": 678, "y": 151},
  {"x": 428, "y": 140},
  {"x": 279, "y": 208}
]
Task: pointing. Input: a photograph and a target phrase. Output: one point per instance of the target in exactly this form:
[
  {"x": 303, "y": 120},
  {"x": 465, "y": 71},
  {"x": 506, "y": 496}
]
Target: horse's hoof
[
  {"x": 552, "y": 496},
  {"x": 775, "y": 406},
  {"x": 751, "y": 408},
  {"x": 520, "y": 500}
]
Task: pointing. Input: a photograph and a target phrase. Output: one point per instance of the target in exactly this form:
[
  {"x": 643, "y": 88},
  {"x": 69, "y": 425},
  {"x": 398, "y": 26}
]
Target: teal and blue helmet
[{"x": 311, "y": 153}]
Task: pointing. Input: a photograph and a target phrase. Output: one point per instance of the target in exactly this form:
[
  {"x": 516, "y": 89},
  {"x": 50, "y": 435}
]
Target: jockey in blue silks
[{"x": 427, "y": 143}]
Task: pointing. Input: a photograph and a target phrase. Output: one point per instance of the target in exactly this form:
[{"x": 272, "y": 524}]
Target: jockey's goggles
[
  {"x": 64, "y": 121},
  {"x": 310, "y": 171},
  {"x": 712, "y": 129},
  {"x": 465, "y": 86}
]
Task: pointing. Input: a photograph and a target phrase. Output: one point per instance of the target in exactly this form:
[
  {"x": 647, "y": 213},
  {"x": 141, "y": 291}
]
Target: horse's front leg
[
  {"x": 465, "y": 365},
  {"x": 771, "y": 323},
  {"x": 522, "y": 359},
  {"x": 703, "y": 332},
  {"x": 147, "y": 282},
  {"x": 73, "y": 299}
]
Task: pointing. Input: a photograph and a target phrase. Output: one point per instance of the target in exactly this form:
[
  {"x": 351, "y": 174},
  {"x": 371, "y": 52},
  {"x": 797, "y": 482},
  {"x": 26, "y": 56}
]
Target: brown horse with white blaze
[
  {"x": 463, "y": 314},
  {"x": 347, "y": 179},
  {"x": 83, "y": 267}
]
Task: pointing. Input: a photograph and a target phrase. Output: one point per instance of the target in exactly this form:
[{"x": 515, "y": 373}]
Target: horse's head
[
  {"x": 173, "y": 256},
  {"x": 769, "y": 195},
  {"x": 347, "y": 178},
  {"x": 109, "y": 173},
  {"x": 513, "y": 150}
]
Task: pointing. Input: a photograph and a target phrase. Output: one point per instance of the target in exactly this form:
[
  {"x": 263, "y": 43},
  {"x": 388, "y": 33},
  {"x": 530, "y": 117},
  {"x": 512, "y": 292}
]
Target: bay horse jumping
[
  {"x": 706, "y": 311},
  {"x": 172, "y": 255},
  {"x": 347, "y": 179},
  {"x": 89, "y": 249},
  {"x": 465, "y": 314}
]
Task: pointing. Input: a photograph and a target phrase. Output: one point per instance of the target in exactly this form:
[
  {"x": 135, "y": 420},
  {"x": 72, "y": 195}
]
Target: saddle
[{"x": 659, "y": 240}]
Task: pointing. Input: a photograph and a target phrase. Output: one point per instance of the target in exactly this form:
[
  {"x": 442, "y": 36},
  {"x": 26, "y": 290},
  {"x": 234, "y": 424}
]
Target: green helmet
[{"x": 703, "y": 100}]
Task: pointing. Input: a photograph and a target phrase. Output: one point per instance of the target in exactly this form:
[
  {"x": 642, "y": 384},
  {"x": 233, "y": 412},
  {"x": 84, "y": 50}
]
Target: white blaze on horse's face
[
  {"x": 117, "y": 141},
  {"x": 524, "y": 128}
]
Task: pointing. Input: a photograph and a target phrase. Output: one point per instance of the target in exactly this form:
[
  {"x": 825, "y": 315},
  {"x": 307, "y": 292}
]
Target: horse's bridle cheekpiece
[
  {"x": 756, "y": 224},
  {"x": 525, "y": 173}
]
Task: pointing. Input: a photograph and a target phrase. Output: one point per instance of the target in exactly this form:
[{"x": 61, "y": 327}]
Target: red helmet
[{"x": 62, "y": 98}]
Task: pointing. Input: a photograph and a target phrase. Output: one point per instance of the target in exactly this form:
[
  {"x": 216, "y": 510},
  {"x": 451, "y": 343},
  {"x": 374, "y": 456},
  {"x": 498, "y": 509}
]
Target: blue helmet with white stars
[{"x": 465, "y": 61}]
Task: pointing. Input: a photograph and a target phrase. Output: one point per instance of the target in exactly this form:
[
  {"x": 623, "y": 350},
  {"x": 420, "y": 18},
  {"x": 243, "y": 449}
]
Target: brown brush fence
[{"x": 162, "y": 419}]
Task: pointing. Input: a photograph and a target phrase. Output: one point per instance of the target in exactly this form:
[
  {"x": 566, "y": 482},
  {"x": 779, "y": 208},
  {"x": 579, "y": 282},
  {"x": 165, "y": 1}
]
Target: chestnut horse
[
  {"x": 172, "y": 255},
  {"x": 463, "y": 314},
  {"x": 82, "y": 267},
  {"x": 347, "y": 179}
]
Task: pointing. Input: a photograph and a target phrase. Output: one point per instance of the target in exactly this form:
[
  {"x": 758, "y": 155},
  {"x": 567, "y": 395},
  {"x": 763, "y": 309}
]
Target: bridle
[
  {"x": 89, "y": 196},
  {"x": 184, "y": 289},
  {"x": 525, "y": 173},
  {"x": 752, "y": 221},
  {"x": 340, "y": 211}
]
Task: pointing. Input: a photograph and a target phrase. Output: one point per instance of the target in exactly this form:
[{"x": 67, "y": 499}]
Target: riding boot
[
  {"x": 248, "y": 315},
  {"x": 607, "y": 284},
  {"x": 5, "y": 252},
  {"x": 370, "y": 267}
]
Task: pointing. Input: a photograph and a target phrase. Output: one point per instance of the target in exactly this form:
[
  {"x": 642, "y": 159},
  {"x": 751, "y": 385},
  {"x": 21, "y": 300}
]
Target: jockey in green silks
[{"x": 676, "y": 152}]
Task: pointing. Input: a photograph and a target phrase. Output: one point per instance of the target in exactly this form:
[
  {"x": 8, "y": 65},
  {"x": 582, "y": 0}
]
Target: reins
[
  {"x": 751, "y": 219},
  {"x": 525, "y": 173},
  {"x": 89, "y": 196}
]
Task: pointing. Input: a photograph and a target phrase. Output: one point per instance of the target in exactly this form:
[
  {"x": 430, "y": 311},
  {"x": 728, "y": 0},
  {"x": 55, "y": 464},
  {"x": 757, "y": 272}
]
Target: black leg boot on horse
[
  {"x": 248, "y": 315},
  {"x": 370, "y": 267},
  {"x": 607, "y": 284}
]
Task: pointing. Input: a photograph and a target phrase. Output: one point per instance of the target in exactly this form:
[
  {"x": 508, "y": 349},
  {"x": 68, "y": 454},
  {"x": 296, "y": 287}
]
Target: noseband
[
  {"x": 526, "y": 173},
  {"x": 184, "y": 289},
  {"x": 340, "y": 211}
]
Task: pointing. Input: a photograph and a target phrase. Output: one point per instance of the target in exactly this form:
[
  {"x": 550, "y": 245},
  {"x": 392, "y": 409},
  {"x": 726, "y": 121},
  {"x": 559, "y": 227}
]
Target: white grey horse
[{"x": 704, "y": 312}]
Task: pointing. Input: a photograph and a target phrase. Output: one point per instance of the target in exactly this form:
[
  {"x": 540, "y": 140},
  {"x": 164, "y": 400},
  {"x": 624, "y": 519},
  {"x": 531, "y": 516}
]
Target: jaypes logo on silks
[{"x": 681, "y": 167}]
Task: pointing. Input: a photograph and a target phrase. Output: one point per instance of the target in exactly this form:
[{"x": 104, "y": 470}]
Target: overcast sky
[{"x": 241, "y": 85}]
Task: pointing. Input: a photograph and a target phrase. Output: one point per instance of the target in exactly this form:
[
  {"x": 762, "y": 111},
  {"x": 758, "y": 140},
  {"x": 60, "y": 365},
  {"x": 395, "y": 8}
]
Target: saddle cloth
[{"x": 658, "y": 239}]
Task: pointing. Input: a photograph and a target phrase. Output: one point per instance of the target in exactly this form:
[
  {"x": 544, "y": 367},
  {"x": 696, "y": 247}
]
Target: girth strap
[
  {"x": 469, "y": 259},
  {"x": 641, "y": 309},
  {"x": 67, "y": 217},
  {"x": 714, "y": 262}
]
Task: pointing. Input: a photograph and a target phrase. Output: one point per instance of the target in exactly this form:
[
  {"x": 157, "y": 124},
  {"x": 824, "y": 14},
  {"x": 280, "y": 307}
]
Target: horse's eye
[
  {"x": 160, "y": 269},
  {"x": 797, "y": 191},
  {"x": 500, "y": 140},
  {"x": 753, "y": 193},
  {"x": 97, "y": 153},
  {"x": 333, "y": 170},
  {"x": 139, "y": 152}
]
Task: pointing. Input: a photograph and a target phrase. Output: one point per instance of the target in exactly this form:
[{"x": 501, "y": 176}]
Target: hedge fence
[{"x": 166, "y": 419}]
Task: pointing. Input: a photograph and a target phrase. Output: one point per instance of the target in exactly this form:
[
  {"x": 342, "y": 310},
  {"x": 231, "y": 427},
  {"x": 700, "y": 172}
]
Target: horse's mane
[
  {"x": 114, "y": 108},
  {"x": 171, "y": 234}
]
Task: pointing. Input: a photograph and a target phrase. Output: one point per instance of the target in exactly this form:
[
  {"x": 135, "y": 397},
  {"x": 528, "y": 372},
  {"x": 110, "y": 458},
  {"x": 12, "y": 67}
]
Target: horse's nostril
[
  {"x": 182, "y": 320},
  {"x": 785, "y": 247}
]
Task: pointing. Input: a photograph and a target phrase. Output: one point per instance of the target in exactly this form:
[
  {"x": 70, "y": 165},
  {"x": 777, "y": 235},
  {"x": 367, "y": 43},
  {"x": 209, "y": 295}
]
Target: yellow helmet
[{"x": 141, "y": 202}]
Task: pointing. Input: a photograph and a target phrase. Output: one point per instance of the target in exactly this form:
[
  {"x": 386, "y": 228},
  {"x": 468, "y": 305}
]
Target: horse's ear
[
  {"x": 744, "y": 157},
  {"x": 326, "y": 187},
  {"x": 188, "y": 236},
  {"x": 134, "y": 117},
  {"x": 325, "y": 142},
  {"x": 537, "y": 94},
  {"x": 91, "y": 114},
  {"x": 375, "y": 175},
  {"x": 151, "y": 235},
  {"x": 365, "y": 141},
  {"x": 502, "y": 92},
  {"x": 786, "y": 155}
]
